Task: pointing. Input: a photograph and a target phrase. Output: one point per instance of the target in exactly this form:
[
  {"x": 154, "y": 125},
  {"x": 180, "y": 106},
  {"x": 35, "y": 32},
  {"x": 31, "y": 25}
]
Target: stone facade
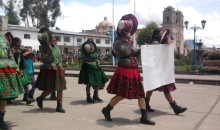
[{"x": 173, "y": 20}]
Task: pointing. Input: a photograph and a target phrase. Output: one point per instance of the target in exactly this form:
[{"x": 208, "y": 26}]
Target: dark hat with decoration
[
  {"x": 44, "y": 36},
  {"x": 89, "y": 45},
  {"x": 127, "y": 24}
]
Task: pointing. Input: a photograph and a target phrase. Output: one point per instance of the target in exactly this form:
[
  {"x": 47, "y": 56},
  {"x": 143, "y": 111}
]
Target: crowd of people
[{"x": 17, "y": 72}]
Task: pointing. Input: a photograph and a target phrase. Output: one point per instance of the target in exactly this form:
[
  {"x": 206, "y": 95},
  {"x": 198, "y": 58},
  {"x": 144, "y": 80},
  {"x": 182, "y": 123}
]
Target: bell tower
[{"x": 173, "y": 20}]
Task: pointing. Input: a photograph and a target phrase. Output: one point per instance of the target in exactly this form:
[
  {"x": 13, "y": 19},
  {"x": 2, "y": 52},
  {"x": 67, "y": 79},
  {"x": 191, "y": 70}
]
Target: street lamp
[{"x": 194, "y": 28}]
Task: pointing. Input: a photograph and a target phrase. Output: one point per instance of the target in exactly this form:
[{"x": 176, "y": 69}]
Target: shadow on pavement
[
  {"x": 44, "y": 110},
  {"x": 117, "y": 122}
]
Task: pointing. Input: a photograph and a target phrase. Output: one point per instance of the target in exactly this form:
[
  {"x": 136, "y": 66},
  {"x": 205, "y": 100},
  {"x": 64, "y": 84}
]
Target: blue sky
[{"x": 78, "y": 15}]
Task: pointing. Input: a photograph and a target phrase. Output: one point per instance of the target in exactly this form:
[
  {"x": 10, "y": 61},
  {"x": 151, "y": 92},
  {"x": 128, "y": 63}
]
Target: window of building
[
  {"x": 66, "y": 39},
  {"x": 107, "y": 41},
  {"x": 58, "y": 38},
  {"x": 79, "y": 40},
  {"x": 27, "y": 36},
  {"x": 98, "y": 41},
  {"x": 91, "y": 39}
]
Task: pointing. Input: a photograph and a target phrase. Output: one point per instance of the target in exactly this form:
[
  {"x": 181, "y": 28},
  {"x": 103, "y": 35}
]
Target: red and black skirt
[
  {"x": 51, "y": 80},
  {"x": 167, "y": 88},
  {"x": 126, "y": 82}
]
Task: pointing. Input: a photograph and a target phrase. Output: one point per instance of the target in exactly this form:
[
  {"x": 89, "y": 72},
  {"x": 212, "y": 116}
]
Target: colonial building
[
  {"x": 173, "y": 20},
  {"x": 67, "y": 41}
]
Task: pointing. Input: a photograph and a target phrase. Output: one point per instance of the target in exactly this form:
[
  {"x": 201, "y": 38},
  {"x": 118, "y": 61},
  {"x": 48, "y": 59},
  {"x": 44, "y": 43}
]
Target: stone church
[{"x": 173, "y": 20}]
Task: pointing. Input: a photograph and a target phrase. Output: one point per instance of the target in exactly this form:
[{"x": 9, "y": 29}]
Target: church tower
[{"x": 173, "y": 20}]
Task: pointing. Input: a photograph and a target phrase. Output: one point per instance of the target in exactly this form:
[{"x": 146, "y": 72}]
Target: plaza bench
[{"x": 211, "y": 66}]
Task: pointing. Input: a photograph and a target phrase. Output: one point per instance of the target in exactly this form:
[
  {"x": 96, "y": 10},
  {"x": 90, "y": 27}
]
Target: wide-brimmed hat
[
  {"x": 127, "y": 24},
  {"x": 44, "y": 36},
  {"x": 165, "y": 35},
  {"x": 89, "y": 45},
  {"x": 27, "y": 51}
]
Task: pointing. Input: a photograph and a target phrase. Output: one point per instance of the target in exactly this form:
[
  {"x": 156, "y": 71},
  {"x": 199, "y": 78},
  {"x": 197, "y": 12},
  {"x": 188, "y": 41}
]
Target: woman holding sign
[
  {"x": 126, "y": 82},
  {"x": 164, "y": 37}
]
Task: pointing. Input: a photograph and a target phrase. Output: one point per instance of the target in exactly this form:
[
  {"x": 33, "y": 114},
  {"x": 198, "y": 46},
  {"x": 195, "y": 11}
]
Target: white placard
[{"x": 157, "y": 65}]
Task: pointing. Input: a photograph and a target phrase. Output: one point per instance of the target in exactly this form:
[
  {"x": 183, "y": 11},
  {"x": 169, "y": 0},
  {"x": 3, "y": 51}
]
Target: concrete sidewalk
[
  {"x": 179, "y": 78},
  {"x": 202, "y": 101}
]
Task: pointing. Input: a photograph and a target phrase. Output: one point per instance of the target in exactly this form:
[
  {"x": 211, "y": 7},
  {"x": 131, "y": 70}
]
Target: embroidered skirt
[
  {"x": 93, "y": 76},
  {"x": 10, "y": 84},
  {"x": 51, "y": 80},
  {"x": 25, "y": 79},
  {"x": 126, "y": 82}
]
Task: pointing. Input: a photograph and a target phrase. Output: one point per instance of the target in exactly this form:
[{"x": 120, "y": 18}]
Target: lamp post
[{"x": 194, "y": 28}]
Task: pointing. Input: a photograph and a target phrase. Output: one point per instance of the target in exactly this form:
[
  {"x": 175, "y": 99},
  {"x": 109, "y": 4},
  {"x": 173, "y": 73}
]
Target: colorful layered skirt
[
  {"x": 10, "y": 84},
  {"x": 92, "y": 75},
  {"x": 25, "y": 79},
  {"x": 51, "y": 80},
  {"x": 126, "y": 82}
]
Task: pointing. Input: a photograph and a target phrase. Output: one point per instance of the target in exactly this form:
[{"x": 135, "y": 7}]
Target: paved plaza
[{"x": 202, "y": 102}]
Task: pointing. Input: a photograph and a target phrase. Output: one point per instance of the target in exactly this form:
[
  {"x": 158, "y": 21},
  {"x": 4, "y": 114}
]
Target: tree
[
  {"x": 144, "y": 36},
  {"x": 43, "y": 13},
  {"x": 12, "y": 15},
  {"x": 1, "y": 4}
]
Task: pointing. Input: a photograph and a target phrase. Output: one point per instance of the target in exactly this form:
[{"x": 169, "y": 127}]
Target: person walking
[
  {"x": 91, "y": 73},
  {"x": 10, "y": 84},
  {"x": 126, "y": 82},
  {"x": 29, "y": 69},
  {"x": 51, "y": 77},
  {"x": 163, "y": 37},
  {"x": 19, "y": 58}
]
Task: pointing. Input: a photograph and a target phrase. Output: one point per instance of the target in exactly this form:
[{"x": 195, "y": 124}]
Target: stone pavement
[{"x": 202, "y": 101}]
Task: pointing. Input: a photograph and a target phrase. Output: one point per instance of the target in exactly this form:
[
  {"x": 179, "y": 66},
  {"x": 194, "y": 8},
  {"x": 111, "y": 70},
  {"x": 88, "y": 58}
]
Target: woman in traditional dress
[
  {"x": 19, "y": 58},
  {"x": 126, "y": 82},
  {"x": 163, "y": 37},
  {"x": 51, "y": 77},
  {"x": 91, "y": 73},
  {"x": 10, "y": 84}
]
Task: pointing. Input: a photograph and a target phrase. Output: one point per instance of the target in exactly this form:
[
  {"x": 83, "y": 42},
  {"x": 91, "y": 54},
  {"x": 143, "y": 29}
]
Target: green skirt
[
  {"x": 93, "y": 76},
  {"x": 10, "y": 84},
  {"x": 25, "y": 79}
]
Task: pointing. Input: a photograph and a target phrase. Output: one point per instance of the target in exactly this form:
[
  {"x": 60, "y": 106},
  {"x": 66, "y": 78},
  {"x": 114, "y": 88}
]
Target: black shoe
[
  {"x": 106, "y": 112},
  {"x": 53, "y": 96},
  {"x": 97, "y": 99},
  {"x": 60, "y": 107},
  {"x": 39, "y": 102},
  {"x": 148, "y": 108},
  {"x": 9, "y": 102},
  {"x": 27, "y": 99},
  {"x": 177, "y": 109},
  {"x": 31, "y": 98},
  {"x": 147, "y": 121},
  {"x": 89, "y": 100},
  {"x": 3, "y": 125}
]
